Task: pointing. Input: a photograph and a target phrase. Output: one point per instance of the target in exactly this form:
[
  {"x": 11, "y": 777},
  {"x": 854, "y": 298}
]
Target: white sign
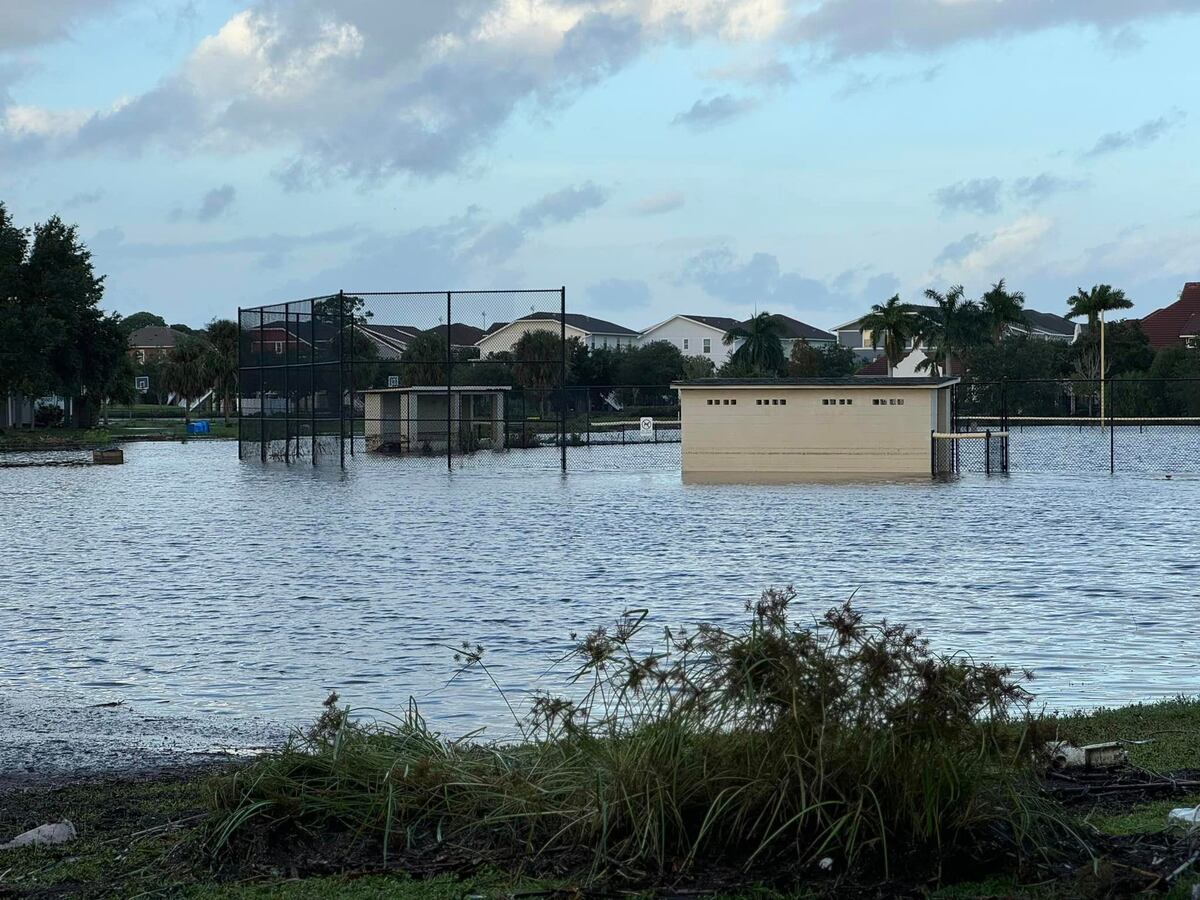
[
  {"x": 393, "y": 381},
  {"x": 647, "y": 426},
  {"x": 141, "y": 383}
]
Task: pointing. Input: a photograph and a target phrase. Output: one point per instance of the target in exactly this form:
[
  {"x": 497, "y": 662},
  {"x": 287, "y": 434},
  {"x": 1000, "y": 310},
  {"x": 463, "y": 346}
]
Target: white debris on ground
[
  {"x": 54, "y": 833},
  {"x": 1064, "y": 755},
  {"x": 1185, "y": 816}
]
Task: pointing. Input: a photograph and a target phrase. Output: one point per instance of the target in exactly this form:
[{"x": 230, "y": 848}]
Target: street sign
[
  {"x": 393, "y": 381},
  {"x": 647, "y": 426},
  {"x": 141, "y": 383}
]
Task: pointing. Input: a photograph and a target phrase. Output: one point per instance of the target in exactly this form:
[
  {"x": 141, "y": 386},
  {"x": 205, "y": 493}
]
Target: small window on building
[
  {"x": 900, "y": 402},
  {"x": 733, "y": 403},
  {"x": 278, "y": 347},
  {"x": 710, "y": 403},
  {"x": 708, "y": 345},
  {"x": 783, "y": 403},
  {"x": 606, "y": 343},
  {"x": 849, "y": 402},
  {"x": 141, "y": 356},
  {"x": 685, "y": 343},
  {"x": 875, "y": 402}
]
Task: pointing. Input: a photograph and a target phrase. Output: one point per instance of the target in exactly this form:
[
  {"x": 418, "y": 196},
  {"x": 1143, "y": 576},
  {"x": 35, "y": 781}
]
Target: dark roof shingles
[{"x": 1165, "y": 327}]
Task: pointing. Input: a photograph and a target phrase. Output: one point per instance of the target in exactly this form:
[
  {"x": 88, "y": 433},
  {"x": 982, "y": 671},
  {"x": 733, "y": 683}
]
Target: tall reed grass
[{"x": 836, "y": 744}]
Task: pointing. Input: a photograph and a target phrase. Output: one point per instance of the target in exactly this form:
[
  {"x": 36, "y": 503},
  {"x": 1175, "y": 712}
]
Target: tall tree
[
  {"x": 537, "y": 365},
  {"x": 186, "y": 374},
  {"x": 424, "y": 360},
  {"x": 893, "y": 325},
  {"x": 1001, "y": 309},
  {"x": 221, "y": 361},
  {"x": 62, "y": 296},
  {"x": 1101, "y": 298},
  {"x": 761, "y": 350},
  {"x": 951, "y": 330},
  {"x": 14, "y": 245}
]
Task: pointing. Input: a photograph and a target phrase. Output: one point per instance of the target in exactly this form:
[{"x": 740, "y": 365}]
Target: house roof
[
  {"x": 848, "y": 381},
  {"x": 793, "y": 329},
  {"x": 155, "y": 336},
  {"x": 717, "y": 323},
  {"x": 586, "y": 324},
  {"x": 1165, "y": 327},
  {"x": 1049, "y": 322},
  {"x": 461, "y": 334},
  {"x": 1191, "y": 327},
  {"x": 876, "y": 368},
  {"x": 922, "y": 308}
]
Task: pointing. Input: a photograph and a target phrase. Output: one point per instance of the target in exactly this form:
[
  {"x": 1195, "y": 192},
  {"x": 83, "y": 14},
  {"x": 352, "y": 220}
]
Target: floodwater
[{"x": 188, "y": 584}]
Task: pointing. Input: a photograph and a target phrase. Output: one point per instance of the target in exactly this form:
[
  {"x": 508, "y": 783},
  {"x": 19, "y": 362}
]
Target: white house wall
[{"x": 689, "y": 337}]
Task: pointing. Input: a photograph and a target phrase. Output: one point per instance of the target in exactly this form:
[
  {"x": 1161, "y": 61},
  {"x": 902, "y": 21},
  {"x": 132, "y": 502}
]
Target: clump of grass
[{"x": 839, "y": 745}]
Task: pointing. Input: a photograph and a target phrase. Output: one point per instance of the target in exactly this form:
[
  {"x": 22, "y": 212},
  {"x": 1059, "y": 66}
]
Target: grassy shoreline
[
  {"x": 837, "y": 759},
  {"x": 147, "y": 835}
]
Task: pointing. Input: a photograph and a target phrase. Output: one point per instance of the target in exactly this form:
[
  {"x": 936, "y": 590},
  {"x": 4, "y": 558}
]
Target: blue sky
[{"x": 655, "y": 156}]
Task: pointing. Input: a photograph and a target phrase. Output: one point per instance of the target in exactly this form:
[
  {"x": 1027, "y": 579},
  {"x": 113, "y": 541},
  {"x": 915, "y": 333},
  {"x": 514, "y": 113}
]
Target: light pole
[{"x": 1102, "y": 369}]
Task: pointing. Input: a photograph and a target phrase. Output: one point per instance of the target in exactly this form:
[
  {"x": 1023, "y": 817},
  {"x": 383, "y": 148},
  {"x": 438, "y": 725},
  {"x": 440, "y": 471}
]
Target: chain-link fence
[
  {"x": 460, "y": 381},
  {"x": 1083, "y": 425}
]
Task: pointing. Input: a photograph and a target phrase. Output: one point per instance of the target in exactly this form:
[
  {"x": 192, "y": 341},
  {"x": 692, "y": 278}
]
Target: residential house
[
  {"x": 694, "y": 336},
  {"x": 153, "y": 342},
  {"x": 594, "y": 333},
  {"x": 390, "y": 340},
  {"x": 1178, "y": 323}
]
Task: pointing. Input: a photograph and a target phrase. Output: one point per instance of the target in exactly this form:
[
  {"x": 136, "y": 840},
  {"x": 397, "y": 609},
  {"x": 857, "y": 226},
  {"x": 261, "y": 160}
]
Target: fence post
[
  {"x": 341, "y": 342},
  {"x": 241, "y": 387},
  {"x": 287, "y": 394},
  {"x": 449, "y": 390},
  {"x": 987, "y": 452},
  {"x": 562, "y": 411},
  {"x": 1112, "y": 436},
  {"x": 312, "y": 379},
  {"x": 262, "y": 386},
  {"x": 933, "y": 452}
]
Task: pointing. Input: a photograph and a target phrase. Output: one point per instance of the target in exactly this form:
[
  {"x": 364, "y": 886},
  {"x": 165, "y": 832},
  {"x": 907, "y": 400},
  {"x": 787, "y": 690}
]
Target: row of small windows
[
  {"x": 774, "y": 402},
  {"x": 892, "y": 402},
  {"x": 842, "y": 402},
  {"x": 725, "y": 402},
  {"x": 707, "y": 344}
]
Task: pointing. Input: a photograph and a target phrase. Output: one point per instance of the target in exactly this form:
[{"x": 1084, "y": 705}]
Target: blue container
[{"x": 200, "y": 427}]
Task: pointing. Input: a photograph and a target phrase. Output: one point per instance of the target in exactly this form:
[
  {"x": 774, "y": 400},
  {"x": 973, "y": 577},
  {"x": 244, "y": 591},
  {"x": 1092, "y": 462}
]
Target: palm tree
[
  {"x": 186, "y": 374},
  {"x": 892, "y": 324},
  {"x": 952, "y": 330},
  {"x": 1100, "y": 299},
  {"x": 1094, "y": 304},
  {"x": 761, "y": 350},
  {"x": 221, "y": 360},
  {"x": 1002, "y": 308}
]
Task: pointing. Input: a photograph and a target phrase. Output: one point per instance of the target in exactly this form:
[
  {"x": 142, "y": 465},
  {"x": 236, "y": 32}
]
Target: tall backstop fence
[{"x": 460, "y": 380}]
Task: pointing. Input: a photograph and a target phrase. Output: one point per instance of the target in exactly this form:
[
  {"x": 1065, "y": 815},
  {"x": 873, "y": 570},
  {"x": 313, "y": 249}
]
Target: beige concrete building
[
  {"x": 812, "y": 426},
  {"x": 414, "y": 420}
]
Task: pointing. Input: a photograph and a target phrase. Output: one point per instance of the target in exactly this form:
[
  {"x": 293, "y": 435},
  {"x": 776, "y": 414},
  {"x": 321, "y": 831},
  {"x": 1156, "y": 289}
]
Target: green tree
[
  {"x": 14, "y": 246},
  {"x": 119, "y": 386},
  {"x": 424, "y": 360},
  {"x": 132, "y": 323},
  {"x": 186, "y": 373},
  {"x": 804, "y": 360},
  {"x": 698, "y": 367},
  {"x": 1091, "y": 304},
  {"x": 1127, "y": 349},
  {"x": 61, "y": 297},
  {"x": 761, "y": 350},
  {"x": 1175, "y": 375},
  {"x": 538, "y": 364},
  {"x": 221, "y": 361},
  {"x": 950, "y": 331},
  {"x": 1002, "y": 308},
  {"x": 653, "y": 364},
  {"x": 1024, "y": 371},
  {"x": 893, "y": 325}
]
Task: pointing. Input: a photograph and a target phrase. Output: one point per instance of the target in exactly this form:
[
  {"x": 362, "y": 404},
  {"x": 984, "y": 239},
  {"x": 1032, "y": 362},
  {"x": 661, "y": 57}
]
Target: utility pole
[{"x": 1102, "y": 370}]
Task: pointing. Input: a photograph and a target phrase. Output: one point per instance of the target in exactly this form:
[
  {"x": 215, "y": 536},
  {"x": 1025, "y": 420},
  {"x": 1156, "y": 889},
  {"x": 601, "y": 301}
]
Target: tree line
[{"x": 55, "y": 340}]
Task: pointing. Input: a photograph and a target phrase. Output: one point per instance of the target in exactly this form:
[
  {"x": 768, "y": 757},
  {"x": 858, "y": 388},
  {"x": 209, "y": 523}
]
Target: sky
[{"x": 720, "y": 157}]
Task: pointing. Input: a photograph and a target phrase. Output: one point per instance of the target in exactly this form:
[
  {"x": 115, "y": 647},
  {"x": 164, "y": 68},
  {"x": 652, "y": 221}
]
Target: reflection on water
[{"x": 190, "y": 583}]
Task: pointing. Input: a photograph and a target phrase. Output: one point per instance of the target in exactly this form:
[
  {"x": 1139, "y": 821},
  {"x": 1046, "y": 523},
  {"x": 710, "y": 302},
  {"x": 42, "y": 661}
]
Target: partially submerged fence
[
  {"x": 1083, "y": 425},
  {"x": 461, "y": 380}
]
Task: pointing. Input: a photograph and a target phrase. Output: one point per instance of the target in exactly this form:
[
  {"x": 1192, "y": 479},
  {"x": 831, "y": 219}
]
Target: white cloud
[
  {"x": 1011, "y": 246},
  {"x": 26, "y": 24}
]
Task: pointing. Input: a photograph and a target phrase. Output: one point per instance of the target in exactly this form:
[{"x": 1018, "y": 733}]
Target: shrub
[
  {"x": 46, "y": 415},
  {"x": 767, "y": 744}
]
